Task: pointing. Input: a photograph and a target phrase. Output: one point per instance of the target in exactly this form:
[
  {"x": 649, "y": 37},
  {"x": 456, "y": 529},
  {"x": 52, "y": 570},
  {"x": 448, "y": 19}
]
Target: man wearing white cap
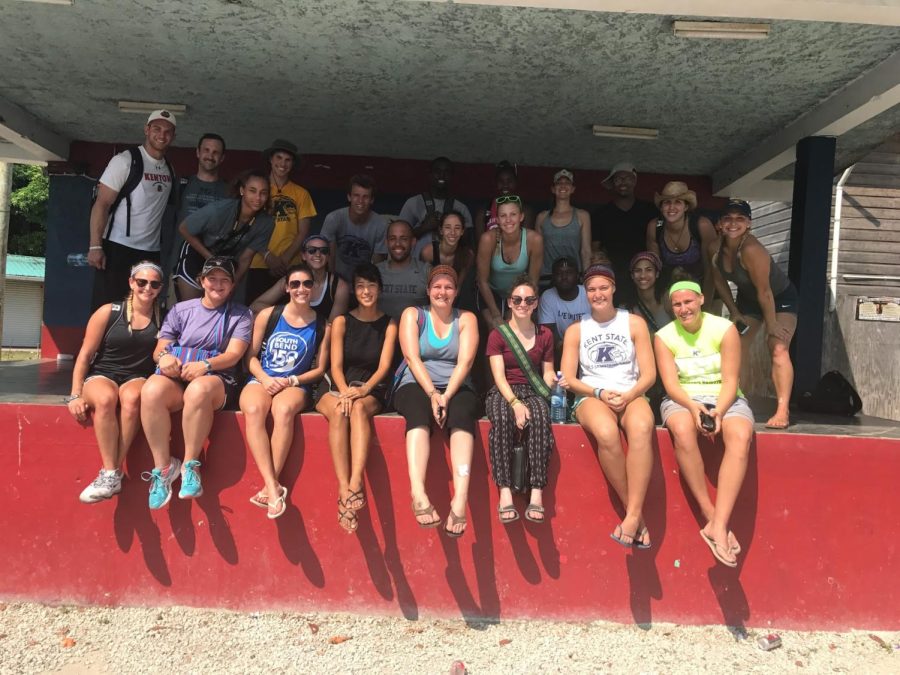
[
  {"x": 126, "y": 218},
  {"x": 621, "y": 225}
]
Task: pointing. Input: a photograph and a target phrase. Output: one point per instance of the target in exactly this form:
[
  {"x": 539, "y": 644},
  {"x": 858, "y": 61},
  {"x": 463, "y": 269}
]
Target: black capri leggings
[
  {"x": 411, "y": 401},
  {"x": 538, "y": 436}
]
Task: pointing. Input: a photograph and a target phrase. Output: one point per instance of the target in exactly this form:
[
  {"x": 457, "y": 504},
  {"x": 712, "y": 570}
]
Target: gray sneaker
[{"x": 105, "y": 485}]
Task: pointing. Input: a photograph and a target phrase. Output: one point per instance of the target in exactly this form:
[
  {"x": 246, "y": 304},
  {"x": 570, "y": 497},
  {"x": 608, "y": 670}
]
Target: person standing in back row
[
  {"x": 566, "y": 230},
  {"x": 621, "y": 225},
  {"x": 293, "y": 210},
  {"x": 126, "y": 218}
]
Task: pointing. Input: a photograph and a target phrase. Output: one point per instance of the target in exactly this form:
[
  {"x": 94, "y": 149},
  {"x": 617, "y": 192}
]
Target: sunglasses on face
[
  {"x": 517, "y": 300},
  {"x": 312, "y": 250},
  {"x": 294, "y": 284},
  {"x": 155, "y": 285},
  {"x": 509, "y": 199}
]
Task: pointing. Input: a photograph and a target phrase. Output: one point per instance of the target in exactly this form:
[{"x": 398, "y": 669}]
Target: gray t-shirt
[
  {"x": 563, "y": 313},
  {"x": 355, "y": 243},
  {"x": 215, "y": 225},
  {"x": 196, "y": 193},
  {"x": 403, "y": 287}
]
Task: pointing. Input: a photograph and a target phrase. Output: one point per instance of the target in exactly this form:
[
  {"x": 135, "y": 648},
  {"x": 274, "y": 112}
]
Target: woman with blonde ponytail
[{"x": 115, "y": 359}]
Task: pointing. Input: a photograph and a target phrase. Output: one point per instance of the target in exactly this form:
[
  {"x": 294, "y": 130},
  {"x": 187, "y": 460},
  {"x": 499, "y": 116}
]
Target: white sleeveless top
[{"x": 606, "y": 353}]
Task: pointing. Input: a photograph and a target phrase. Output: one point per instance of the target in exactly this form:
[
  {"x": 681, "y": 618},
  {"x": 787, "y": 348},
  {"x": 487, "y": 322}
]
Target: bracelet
[
  {"x": 294, "y": 380},
  {"x": 598, "y": 392},
  {"x": 95, "y": 248},
  {"x": 514, "y": 403},
  {"x": 433, "y": 392},
  {"x": 162, "y": 353},
  {"x": 266, "y": 256},
  {"x": 69, "y": 399},
  {"x": 209, "y": 367}
]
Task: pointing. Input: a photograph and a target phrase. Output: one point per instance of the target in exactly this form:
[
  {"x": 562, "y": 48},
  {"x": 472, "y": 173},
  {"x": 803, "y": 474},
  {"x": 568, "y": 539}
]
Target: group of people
[{"x": 531, "y": 296}]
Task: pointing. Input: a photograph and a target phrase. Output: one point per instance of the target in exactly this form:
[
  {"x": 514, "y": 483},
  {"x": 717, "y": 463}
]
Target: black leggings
[{"x": 412, "y": 403}]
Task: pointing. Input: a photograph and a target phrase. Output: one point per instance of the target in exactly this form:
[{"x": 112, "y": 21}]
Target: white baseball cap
[
  {"x": 161, "y": 115},
  {"x": 621, "y": 166}
]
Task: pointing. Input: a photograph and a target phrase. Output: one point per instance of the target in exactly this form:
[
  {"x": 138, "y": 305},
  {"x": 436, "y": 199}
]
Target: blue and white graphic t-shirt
[
  {"x": 606, "y": 353},
  {"x": 289, "y": 351}
]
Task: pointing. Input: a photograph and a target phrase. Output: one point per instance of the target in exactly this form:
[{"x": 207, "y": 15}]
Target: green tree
[{"x": 30, "y": 192}]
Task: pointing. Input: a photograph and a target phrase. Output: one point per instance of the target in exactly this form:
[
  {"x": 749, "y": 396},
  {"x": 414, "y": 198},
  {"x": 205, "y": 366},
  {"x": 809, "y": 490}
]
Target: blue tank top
[{"x": 289, "y": 351}]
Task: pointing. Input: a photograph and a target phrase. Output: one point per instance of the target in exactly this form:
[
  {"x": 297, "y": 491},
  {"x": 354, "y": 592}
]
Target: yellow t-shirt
[{"x": 288, "y": 206}]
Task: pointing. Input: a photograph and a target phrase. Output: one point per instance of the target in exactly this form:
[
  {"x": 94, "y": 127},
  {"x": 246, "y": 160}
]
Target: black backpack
[
  {"x": 833, "y": 395},
  {"x": 135, "y": 176}
]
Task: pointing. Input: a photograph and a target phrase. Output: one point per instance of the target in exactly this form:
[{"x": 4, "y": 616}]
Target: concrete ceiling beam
[
  {"x": 28, "y": 140},
  {"x": 875, "y": 12},
  {"x": 860, "y": 100}
]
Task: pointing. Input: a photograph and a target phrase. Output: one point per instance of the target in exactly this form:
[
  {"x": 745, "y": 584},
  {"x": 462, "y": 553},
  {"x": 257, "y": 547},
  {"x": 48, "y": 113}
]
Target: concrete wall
[{"x": 818, "y": 551}]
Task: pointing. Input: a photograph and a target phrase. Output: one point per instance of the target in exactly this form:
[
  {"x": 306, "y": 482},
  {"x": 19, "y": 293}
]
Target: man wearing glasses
[
  {"x": 404, "y": 277},
  {"x": 356, "y": 231}
]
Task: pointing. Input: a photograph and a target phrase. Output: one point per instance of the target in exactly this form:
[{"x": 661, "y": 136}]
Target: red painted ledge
[{"x": 814, "y": 519}]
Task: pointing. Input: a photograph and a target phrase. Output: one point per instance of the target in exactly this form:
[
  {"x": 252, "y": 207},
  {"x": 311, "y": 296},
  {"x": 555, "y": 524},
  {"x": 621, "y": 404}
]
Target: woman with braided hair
[{"x": 116, "y": 358}]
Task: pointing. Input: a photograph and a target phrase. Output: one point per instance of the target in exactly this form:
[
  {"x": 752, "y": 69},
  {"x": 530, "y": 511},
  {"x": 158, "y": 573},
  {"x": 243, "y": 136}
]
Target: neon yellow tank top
[{"x": 697, "y": 355}]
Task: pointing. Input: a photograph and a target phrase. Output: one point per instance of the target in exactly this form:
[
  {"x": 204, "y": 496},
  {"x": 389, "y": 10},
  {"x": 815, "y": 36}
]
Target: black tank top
[
  {"x": 126, "y": 353},
  {"x": 363, "y": 342}
]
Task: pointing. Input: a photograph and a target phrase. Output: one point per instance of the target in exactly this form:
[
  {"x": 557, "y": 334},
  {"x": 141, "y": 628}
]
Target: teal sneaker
[
  {"x": 160, "y": 485},
  {"x": 191, "y": 487}
]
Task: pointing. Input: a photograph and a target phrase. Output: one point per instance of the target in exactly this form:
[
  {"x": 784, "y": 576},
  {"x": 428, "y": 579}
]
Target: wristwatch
[{"x": 208, "y": 366}]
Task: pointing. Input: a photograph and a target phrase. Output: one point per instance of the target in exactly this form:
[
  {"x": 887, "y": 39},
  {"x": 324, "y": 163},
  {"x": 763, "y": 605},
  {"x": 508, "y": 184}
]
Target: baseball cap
[
  {"x": 740, "y": 206},
  {"x": 218, "y": 262},
  {"x": 563, "y": 173},
  {"x": 161, "y": 114},
  {"x": 621, "y": 166}
]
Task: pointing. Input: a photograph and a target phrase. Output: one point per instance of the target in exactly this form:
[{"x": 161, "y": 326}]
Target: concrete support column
[
  {"x": 808, "y": 264},
  {"x": 6, "y": 171}
]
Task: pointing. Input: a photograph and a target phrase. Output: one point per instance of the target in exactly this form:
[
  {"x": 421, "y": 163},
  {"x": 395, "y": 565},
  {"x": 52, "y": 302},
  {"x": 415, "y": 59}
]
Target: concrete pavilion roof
[{"x": 478, "y": 82}]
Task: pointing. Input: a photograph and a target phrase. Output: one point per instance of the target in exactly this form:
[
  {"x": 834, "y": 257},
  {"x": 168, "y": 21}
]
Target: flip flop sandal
[
  {"x": 261, "y": 500},
  {"x": 347, "y": 519},
  {"x": 618, "y": 539},
  {"x": 426, "y": 511},
  {"x": 536, "y": 509},
  {"x": 356, "y": 495},
  {"x": 506, "y": 509},
  {"x": 736, "y": 548},
  {"x": 640, "y": 539},
  {"x": 455, "y": 520},
  {"x": 714, "y": 547},
  {"x": 280, "y": 511}
]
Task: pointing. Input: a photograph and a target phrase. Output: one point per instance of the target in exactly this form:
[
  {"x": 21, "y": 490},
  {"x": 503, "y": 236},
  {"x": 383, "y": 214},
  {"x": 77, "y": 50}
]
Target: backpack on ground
[{"x": 833, "y": 395}]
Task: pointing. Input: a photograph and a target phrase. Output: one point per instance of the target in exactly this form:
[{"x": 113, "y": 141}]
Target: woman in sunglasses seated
[
  {"x": 503, "y": 254},
  {"x": 236, "y": 228},
  {"x": 439, "y": 344},
  {"x": 330, "y": 294},
  {"x": 116, "y": 358},
  {"x": 521, "y": 358},
  {"x": 288, "y": 354},
  {"x": 608, "y": 363},
  {"x": 362, "y": 350},
  {"x": 200, "y": 344}
]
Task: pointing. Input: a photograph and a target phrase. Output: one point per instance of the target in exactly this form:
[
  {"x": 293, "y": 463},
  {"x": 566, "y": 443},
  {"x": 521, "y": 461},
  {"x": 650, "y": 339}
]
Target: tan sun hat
[{"x": 676, "y": 190}]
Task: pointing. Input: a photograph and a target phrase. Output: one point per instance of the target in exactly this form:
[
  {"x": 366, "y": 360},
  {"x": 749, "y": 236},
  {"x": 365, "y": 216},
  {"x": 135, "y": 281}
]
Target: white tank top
[{"x": 606, "y": 353}]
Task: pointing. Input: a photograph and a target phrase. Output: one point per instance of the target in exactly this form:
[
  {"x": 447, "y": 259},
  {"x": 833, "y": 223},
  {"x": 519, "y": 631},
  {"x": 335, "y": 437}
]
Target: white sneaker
[{"x": 105, "y": 485}]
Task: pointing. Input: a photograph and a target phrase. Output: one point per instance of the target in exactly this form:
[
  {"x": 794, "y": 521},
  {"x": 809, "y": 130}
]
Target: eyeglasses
[
  {"x": 509, "y": 199},
  {"x": 312, "y": 250},
  {"x": 155, "y": 285},
  {"x": 294, "y": 284},
  {"x": 529, "y": 301}
]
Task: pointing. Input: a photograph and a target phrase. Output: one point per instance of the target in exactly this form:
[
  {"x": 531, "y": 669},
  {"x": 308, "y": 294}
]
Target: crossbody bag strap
[{"x": 537, "y": 383}]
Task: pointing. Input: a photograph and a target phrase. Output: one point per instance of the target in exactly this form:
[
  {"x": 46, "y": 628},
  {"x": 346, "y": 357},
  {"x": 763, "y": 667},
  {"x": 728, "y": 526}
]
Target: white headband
[{"x": 146, "y": 265}]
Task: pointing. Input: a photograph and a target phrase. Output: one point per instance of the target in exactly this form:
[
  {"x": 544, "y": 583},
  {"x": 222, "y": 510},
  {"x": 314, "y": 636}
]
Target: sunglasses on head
[
  {"x": 518, "y": 300},
  {"x": 294, "y": 284},
  {"x": 155, "y": 285},
  {"x": 312, "y": 250},
  {"x": 509, "y": 199}
]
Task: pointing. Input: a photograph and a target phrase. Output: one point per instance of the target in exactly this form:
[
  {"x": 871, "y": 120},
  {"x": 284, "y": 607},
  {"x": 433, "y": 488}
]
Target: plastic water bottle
[
  {"x": 558, "y": 402},
  {"x": 77, "y": 260}
]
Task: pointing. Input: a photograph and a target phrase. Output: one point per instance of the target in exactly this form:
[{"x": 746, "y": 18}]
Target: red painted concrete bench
[{"x": 817, "y": 520}]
